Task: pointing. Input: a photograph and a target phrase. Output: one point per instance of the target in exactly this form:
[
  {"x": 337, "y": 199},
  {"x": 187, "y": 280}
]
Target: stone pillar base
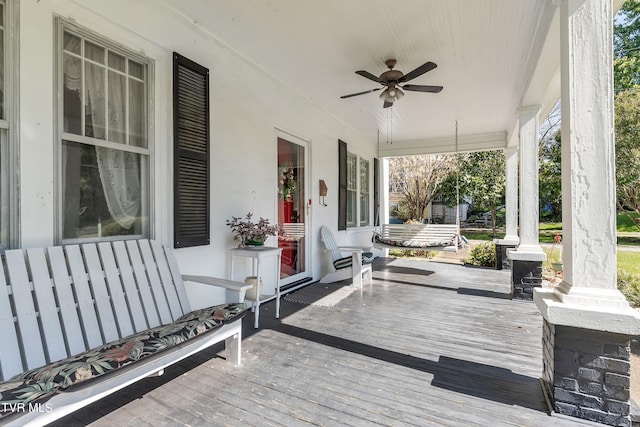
[
  {"x": 587, "y": 373},
  {"x": 502, "y": 260},
  {"x": 525, "y": 276}
]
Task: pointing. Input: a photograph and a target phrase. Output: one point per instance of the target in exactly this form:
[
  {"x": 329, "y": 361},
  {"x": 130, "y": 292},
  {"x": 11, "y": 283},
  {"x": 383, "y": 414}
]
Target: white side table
[{"x": 257, "y": 253}]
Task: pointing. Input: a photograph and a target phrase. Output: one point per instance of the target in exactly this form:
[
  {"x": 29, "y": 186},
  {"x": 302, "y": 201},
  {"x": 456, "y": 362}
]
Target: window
[
  {"x": 104, "y": 144},
  {"x": 191, "y": 155},
  {"x": 364, "y": 192},
  {"x": 8, "y": 192},
  {"x": 354, "y": 191}
]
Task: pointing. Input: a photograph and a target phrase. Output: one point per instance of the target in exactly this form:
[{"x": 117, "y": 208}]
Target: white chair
[{"x": 354, "y": 266}]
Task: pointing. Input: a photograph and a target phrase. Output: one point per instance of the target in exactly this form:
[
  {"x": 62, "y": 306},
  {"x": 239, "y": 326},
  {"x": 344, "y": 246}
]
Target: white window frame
[
  {"x": 365, "y": 193},
  {"x": 352, "y": 190},
  {"x": 9, "y": 230},
  {"x": 356, "y": 193},
  {"x": 145, "y": 152}
]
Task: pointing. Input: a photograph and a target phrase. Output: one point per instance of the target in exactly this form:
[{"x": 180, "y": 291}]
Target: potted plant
[
  {"x": 251, "y": 233},
  {"x": 556, "y": 264}
]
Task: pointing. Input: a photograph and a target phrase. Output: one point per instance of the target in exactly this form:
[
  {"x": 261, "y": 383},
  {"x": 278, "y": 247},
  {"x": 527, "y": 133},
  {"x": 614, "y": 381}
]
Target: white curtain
[
  {"x": 120, "y": 176},
  {"x": 119, "y": 170}
]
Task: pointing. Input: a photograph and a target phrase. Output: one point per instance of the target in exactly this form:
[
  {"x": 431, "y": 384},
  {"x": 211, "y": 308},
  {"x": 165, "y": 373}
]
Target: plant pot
[
  {"x": 557, "y": 266},
  {"x": 250, "y": 242}
]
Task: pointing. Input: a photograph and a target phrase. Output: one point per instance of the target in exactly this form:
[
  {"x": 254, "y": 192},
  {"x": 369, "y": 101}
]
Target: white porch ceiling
[{"x": 487, "y": 53}]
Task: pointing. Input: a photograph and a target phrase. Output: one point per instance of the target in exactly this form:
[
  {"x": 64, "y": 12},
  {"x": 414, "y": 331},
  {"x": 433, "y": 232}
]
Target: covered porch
[
  {"x": 419, "y": 346},
  {"x": 426, "y": 344}
]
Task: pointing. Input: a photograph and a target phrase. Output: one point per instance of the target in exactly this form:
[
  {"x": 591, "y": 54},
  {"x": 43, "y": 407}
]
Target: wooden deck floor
[{"x": 427, "y": 344}]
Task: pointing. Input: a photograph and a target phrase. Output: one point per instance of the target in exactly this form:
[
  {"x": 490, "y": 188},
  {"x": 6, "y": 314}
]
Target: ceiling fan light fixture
[{"x": 392, "y": 79}]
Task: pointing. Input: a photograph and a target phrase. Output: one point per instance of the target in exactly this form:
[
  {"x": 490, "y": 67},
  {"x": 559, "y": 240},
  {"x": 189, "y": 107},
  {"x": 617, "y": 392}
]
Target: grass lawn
[
  {"x": 624, "y": 223},
  {"x": 548, "y": 230},
  {"x": 629, "y": 262}
]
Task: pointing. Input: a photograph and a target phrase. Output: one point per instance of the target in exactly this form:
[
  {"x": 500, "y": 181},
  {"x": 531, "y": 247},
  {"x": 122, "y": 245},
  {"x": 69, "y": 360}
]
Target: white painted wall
[{"x": 246, "y": 107}]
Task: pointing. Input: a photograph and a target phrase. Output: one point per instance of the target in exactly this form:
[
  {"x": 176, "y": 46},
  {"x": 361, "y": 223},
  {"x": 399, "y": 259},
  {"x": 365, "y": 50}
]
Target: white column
[
  {"x": 511, "y": 199},
  {"x": 529, "y": 248},
  {"x": 588, "y": 296}
]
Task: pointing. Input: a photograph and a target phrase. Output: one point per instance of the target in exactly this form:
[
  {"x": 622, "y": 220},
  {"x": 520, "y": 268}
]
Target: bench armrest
[
  {"x": 354, "y": 248},
  {"x": 235, "y": 290}
]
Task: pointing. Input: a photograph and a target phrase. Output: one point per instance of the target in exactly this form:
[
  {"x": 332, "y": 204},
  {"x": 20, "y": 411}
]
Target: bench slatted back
[
  {"x": 60, "y": 301},
  {"x": 132, "y": 292},
  {"x": 9, "y": 350},
  {"x": 420, "y": 232},
  {"x": 51, "y": 327},
  {"x": 25, "y": 310},
  {"x": 66, "y": 300}
]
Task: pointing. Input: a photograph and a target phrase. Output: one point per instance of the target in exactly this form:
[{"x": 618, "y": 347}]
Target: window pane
[
  {"x": 72, "y": 43},
  {"x": 136, "y": 69},
  {"x": 93, "y": 52},
  {"x": 116, "y": 61},
  {"x": 364, "y": 192},
  {"x": 137, "y": 114},
  {"x": 94, "y": 125},
  {"x": 72, "y": 102},
  {"x": 352, "y": 176},
  {"x": 117, "y": 107},
  {"x": 103, "y": 192}
]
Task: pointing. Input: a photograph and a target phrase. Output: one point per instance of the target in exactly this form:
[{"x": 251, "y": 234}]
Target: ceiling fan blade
[
  {"x": 387, "y": 104},
  {"x": 427, "y": 66},
  {"x": 369, "y": 76},
  {"x": 421, "y": 88},
  {"x": 360, "y": 93}
]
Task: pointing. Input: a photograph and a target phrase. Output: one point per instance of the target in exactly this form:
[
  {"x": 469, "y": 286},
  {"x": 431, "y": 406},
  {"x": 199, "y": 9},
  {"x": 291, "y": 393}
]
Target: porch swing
[{"x": 434, "y": 237}]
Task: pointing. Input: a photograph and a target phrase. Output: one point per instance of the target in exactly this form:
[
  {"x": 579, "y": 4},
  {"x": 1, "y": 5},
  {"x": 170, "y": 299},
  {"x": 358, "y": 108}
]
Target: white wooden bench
[
  {"x": 61, "y": 302},
  {"x": 434, "y": 237}
]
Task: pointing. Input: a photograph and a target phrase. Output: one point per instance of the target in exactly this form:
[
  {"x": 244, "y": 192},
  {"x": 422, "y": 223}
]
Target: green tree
[
  {"x": 626, "y": 44},
  {"x": 550, "y": 188},
  {"x": 627, "y": 126},
  {"x": 482, "y": 177}
]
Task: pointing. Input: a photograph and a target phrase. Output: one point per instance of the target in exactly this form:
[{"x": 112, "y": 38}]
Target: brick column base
[
  {"x": 525, "y": 275},
  {"x": 502, "y": 260},
  {"x": 587, "y": 373}
]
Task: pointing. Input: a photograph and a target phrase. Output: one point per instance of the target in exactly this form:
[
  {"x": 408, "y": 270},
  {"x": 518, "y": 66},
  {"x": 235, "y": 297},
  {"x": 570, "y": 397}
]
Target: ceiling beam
[{"x": 447, "y": 145}]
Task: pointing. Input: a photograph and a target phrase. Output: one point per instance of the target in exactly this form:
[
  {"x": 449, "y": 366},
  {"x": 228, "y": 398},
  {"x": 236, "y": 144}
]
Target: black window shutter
[
  {"x": 342, "y": 185},
  {"x": 376, "y": 192},
  {"x": 191, "y": 153}
]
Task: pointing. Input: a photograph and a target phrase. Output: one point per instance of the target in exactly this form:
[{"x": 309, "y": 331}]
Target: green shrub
[
  {"x": 483, "y": 255},
  {"x": 629, "y": 285},
  {"x": 411, "y": 253}
]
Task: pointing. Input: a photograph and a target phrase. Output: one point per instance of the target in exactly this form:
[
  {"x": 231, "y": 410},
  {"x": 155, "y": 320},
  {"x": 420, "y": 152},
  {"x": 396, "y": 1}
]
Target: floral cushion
[
  {"x": 39, "y": 384},
  {"x": 377, "y": 238},
  {"x": 339, "y": 264}
]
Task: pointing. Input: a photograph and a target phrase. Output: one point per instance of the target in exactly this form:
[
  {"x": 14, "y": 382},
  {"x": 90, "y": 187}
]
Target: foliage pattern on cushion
[
  {"x": 339, "y": 264},
  {"x": 378, "y": 238},
  {"x": 41, "y": 383}
]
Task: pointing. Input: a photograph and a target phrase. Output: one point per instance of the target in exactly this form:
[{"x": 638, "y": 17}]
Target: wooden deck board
[{"x": 425, "y": 344}]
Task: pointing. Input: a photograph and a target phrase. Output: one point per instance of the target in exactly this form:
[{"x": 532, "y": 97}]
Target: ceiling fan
[{"x": 391, "y": 80}]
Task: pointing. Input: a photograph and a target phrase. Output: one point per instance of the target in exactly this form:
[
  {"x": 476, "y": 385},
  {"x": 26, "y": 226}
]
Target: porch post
[
  {"x": 526, "y": 261},
  {"x": 511, "y": 239},
  {"x": 587, "y": 321}
]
